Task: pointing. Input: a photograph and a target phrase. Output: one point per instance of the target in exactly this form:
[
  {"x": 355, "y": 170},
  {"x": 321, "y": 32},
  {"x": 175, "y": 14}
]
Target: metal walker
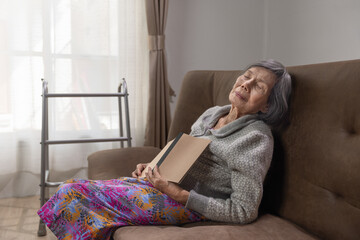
[{"x": 45, "y": 142}]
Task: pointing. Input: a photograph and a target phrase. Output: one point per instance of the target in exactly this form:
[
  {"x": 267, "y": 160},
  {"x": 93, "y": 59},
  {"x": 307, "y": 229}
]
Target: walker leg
[{"x": 42, "y": 229}]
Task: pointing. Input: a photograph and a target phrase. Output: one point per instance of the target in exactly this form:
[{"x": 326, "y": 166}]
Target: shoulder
[
  {"x": 259, "y": 128},
  {"x": 253, "y": 128},
  {"x": 256, "y": 135}
]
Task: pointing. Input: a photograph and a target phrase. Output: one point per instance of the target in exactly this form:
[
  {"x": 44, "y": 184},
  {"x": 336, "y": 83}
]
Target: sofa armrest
[{"x": 115, "y": 163}]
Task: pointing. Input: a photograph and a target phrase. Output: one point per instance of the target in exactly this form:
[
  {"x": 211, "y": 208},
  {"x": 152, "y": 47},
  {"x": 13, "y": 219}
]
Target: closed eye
[{"x": 260, "y": 88}]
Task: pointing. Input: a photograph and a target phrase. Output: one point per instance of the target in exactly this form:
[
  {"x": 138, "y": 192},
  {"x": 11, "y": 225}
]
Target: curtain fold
[{"x": 158, "y": 118}]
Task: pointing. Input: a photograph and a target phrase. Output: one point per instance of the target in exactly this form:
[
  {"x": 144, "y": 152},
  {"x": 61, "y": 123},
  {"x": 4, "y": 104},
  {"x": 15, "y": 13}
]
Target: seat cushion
[{"x": 266, "y": 227}]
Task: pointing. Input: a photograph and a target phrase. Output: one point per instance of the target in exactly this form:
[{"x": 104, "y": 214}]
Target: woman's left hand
[{"x": 169, "y": 188}]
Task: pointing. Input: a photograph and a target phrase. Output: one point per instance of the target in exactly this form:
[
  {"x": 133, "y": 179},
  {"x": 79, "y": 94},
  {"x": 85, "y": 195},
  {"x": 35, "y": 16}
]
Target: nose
[{"x": 245, "y": 86}]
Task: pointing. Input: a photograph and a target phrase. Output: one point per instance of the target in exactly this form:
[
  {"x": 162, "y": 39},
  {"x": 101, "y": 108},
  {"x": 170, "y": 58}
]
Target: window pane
[
  {"x": 61, "y": 26},
  {"x": 85, "y": 75},
  {"x": 85, "y": 27},
  {"x": 25, "y": 84},
  {"x": 24, "y": 25}
]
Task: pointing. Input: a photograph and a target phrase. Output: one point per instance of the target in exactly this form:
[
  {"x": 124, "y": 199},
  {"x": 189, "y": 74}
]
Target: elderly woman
[{"x": 225, "y": 183}]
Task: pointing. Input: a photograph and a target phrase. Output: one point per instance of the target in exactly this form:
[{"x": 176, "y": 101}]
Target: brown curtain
[{"x": 158, "y": 118}]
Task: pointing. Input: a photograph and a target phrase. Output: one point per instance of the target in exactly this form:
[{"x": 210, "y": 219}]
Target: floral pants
[{"x": 88, "y": 209}]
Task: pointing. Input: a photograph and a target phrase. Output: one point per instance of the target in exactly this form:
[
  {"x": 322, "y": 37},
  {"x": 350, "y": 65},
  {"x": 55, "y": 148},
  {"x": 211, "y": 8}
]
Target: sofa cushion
[{"x": 266, "y": 227}]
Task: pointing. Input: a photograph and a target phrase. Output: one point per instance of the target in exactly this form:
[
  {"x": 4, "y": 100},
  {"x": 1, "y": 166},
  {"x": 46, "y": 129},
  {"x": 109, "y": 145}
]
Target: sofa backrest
[{"x": 314, "y": 180}]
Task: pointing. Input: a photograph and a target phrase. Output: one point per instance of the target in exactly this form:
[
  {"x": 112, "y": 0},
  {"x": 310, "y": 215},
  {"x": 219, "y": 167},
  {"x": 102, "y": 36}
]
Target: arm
[{"x": 248, "y": 161}]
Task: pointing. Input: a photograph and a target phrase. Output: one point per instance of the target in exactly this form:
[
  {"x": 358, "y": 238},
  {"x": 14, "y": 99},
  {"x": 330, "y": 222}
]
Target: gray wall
[
  {"x": 229, "y": 34},
  {"x": 212, "y": 34},
  {"x": 312, "y": 31}
]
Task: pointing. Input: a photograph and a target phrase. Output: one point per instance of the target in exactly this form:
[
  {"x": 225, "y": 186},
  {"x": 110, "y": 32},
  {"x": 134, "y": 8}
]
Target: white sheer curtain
[{"x": 77, "y": 46}]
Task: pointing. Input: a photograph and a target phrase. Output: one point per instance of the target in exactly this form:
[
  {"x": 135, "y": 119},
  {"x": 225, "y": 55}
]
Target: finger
[
  {"x": 139, "y": 167},
  {"x": 150, "y": 172},
  {"x": 156, "y": 172},
  {"x": 149, "y": 175},
  {"x": 149, "y": 178},
  {"x": 133, "y": 175},
  {"x": 136, "y": 170},
  {"x": 142, "y": 167}
]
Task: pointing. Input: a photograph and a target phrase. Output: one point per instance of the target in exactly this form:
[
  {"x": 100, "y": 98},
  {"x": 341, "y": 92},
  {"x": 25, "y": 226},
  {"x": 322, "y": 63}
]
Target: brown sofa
[{"x": 312, "y": 190}]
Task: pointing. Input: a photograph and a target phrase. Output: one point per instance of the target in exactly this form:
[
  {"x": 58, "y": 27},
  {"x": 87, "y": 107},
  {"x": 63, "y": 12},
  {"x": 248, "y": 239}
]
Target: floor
[{"x": 18, "y": 219}]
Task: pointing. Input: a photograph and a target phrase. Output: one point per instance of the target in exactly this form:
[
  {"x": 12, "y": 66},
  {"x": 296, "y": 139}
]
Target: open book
[{"x": 176, "y": 158}]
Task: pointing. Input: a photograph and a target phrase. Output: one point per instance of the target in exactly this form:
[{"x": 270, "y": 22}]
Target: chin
[{"x": 232, "y": 98}]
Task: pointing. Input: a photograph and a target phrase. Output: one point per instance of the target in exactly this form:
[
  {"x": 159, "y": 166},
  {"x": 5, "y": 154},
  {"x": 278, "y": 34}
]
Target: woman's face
[{"x": 251, "y": 90}]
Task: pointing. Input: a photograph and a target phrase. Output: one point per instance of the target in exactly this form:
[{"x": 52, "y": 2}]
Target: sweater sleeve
[{"x": 248, "y": 161}]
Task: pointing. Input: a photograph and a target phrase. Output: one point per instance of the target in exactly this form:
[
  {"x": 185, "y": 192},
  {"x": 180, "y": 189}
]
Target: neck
[{"x": 231, "y": 116}]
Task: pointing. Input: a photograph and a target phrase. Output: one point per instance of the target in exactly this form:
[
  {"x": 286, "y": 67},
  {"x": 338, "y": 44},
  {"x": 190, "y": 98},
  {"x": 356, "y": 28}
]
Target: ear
[{"x": 265, "y": 108}]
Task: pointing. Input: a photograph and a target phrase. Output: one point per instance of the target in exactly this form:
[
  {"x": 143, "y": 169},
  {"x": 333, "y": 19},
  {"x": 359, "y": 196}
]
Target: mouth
[{"x": 240, "y": 96}]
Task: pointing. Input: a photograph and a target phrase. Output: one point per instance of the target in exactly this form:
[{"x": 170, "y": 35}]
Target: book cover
[{"x": 176, "y": 158}]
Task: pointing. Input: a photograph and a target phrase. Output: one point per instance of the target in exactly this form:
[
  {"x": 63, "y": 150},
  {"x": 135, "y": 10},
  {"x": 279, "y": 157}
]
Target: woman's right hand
[{"x": 139, "y": 168}]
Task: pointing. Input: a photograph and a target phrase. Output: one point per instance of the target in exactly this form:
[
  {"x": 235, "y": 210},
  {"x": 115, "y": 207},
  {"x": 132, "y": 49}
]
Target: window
[{"x": 77, "y": 46}]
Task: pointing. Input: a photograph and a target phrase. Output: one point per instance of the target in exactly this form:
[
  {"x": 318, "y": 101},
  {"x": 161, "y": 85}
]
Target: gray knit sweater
[{"x": 226, "y": 182}]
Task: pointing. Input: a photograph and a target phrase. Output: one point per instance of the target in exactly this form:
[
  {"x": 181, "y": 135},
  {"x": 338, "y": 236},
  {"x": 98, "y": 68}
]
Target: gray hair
[{"x": 280, "y": 94}]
